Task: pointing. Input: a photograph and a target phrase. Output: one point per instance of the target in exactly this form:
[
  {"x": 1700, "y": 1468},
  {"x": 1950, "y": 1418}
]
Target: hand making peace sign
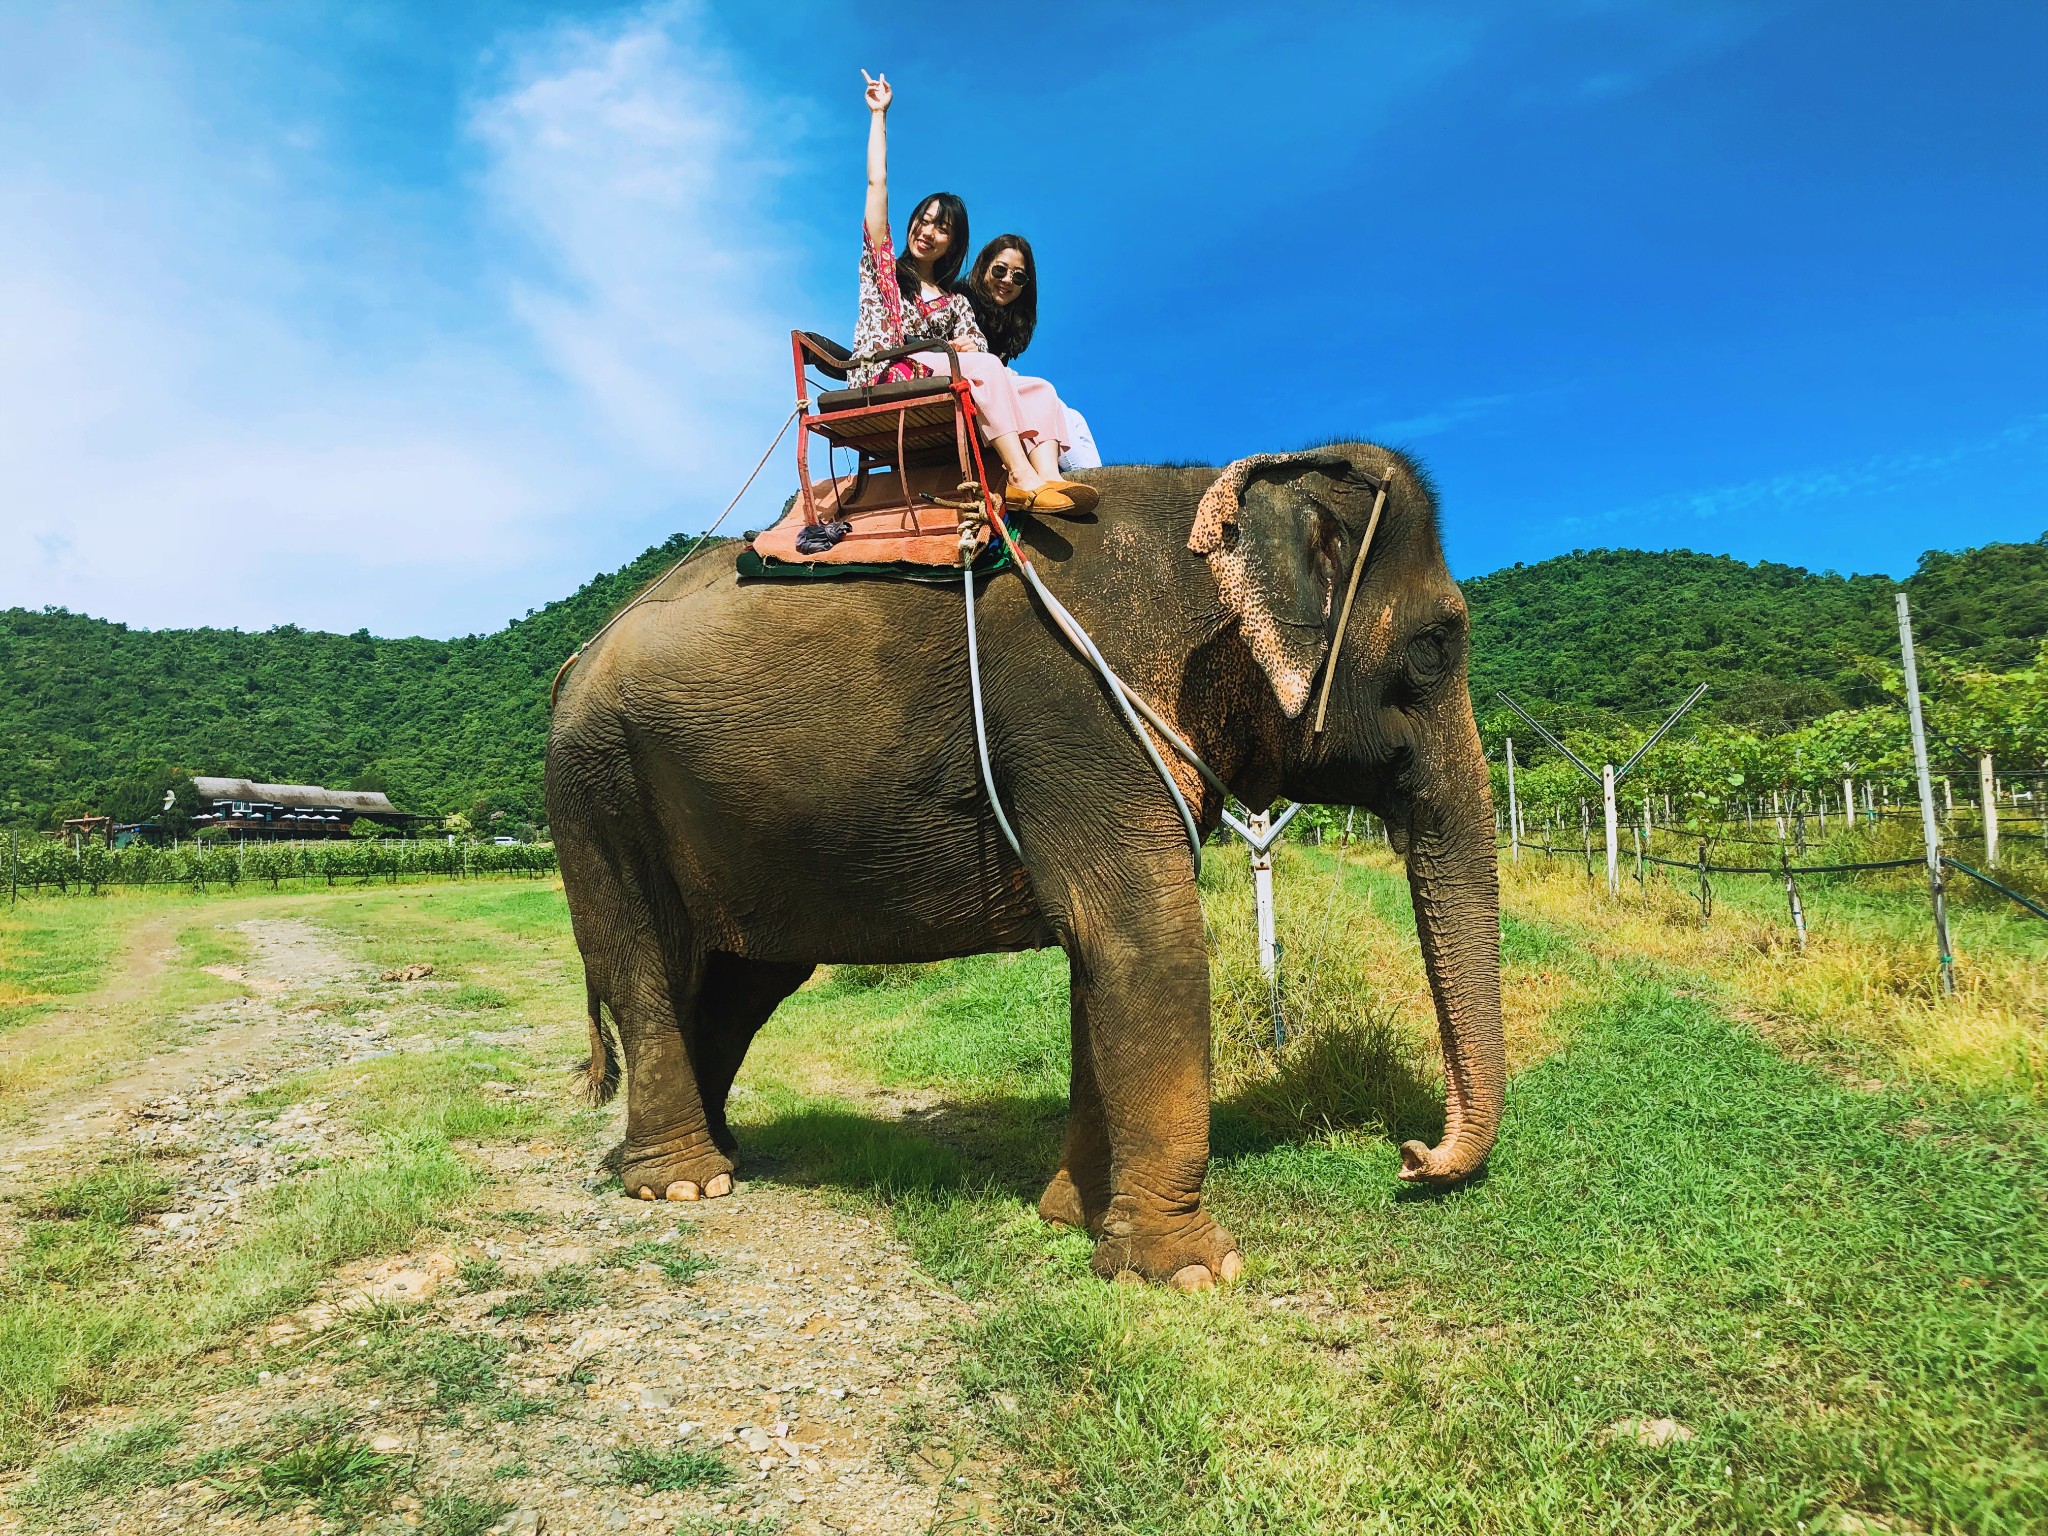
[{"x": 879, "y": 95}]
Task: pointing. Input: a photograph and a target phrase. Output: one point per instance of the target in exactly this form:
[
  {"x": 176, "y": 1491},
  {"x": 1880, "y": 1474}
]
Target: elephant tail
[{"x": 601, "y": 1070}]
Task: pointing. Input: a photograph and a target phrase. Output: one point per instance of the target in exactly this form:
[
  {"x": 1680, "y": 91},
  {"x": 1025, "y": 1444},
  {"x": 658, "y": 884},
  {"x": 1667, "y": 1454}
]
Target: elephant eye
[{"x": 1428, "y": 659}]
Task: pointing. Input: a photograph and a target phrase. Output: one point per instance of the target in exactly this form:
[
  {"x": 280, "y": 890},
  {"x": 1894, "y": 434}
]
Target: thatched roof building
[{"x": 292, "y": 810}]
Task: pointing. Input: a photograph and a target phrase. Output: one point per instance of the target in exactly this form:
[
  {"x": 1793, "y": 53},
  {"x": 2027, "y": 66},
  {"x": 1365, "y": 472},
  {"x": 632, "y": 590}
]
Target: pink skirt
[{"x": 1007, "y": 402}]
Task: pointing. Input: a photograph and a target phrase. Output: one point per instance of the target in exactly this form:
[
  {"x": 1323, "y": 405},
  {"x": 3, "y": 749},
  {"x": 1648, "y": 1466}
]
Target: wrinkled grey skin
[{"x": 748, "y": 779}]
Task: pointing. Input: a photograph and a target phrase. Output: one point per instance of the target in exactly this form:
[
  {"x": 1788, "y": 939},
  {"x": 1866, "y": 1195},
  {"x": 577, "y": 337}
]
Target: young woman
[
  {"x": 911, "y": 299},
  {"x": 1002, "y": 285}
]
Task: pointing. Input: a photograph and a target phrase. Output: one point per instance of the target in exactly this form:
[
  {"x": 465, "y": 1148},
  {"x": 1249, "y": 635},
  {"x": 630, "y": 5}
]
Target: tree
[{"x": 1973, "y": 711}]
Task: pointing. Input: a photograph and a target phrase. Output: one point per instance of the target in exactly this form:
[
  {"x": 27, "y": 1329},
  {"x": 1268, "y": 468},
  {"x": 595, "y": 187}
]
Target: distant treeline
[{"x": 97, "y": 716}]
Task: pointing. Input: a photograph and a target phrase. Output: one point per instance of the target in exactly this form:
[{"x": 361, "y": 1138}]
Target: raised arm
[{"x": 878, "y": 97}]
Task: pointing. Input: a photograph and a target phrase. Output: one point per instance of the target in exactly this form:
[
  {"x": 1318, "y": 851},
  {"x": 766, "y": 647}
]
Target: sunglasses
[{"x": 998, "y": 273}]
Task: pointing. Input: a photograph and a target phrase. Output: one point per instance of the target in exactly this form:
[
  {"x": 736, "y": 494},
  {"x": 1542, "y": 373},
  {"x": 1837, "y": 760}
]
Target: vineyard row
[{"x": 37, "y": 864}]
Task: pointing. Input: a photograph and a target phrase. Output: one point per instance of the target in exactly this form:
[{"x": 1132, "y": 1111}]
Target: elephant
[{"x": 747, "y": 779}]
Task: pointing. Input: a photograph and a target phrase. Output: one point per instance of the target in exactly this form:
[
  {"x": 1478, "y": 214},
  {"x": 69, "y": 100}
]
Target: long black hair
[
  {"x": 946, "y": 270},
  {"x": 1008, "y": 327}
]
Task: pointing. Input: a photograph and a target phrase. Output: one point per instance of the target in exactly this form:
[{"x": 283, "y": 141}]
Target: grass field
[{"x": 1764, "y": 1245}]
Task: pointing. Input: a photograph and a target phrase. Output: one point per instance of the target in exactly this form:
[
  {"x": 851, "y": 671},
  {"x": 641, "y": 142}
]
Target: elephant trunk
[{"x": 1455, "y": 880}]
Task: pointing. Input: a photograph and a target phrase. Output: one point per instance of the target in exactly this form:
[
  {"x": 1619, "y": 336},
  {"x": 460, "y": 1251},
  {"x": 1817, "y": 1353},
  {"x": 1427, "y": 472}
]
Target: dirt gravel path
[
  {"x": 791, "y": 1343},
  {"x": 807, "y": 1356}
]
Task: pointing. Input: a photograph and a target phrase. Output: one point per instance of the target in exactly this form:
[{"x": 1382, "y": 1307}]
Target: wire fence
[
  {"x": 1785, "y": 868},
  {"x": 2003, "y": 889}
]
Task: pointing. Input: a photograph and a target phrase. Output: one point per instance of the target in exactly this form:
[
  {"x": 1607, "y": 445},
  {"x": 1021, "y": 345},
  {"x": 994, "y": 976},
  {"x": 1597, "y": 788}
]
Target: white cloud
[
  {"x": 209, "y": 415},
  {"x": 631, "y": 160}
]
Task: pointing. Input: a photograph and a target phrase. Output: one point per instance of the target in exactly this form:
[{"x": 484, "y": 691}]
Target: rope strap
[
  {"x": 702, "y": 539},
  {"x": 972, "y": 519}
]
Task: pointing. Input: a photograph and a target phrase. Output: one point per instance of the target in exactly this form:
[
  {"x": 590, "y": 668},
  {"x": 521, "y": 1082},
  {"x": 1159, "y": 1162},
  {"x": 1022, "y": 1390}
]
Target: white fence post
[
  {"x": 1929, "y": 832},
  {"x": 1987, "y": 789},
  {"x": 1608, "y": 810},
  {"x": 1262, "y": 893},
  {"x": 1514, "y": 810}
]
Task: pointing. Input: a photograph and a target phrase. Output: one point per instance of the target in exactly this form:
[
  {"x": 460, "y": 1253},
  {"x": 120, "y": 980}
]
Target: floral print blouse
[{"x": 888, "y": 321}]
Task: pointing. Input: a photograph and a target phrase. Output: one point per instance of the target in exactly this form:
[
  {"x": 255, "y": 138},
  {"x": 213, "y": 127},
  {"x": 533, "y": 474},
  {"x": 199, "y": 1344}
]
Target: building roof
[{"x": 299, "y": 797}]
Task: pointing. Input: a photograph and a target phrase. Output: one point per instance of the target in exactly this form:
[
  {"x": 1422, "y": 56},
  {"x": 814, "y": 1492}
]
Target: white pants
[
  {"x": 1081, "y": 452},
  {"x": 1007, "y": 401}
]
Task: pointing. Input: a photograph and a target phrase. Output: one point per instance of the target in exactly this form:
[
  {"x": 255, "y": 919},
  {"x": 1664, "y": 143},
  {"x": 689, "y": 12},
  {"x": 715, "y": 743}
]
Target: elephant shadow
[
  {"x": 1353, "y": 1081},
  {"x": 1339, "y": 1082},
  {"x": 996, "y": 1143}
]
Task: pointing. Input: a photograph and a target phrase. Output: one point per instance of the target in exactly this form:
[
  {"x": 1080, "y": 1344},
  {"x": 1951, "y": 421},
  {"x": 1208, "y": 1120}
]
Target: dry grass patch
[{"x": 1864, "y": 992}]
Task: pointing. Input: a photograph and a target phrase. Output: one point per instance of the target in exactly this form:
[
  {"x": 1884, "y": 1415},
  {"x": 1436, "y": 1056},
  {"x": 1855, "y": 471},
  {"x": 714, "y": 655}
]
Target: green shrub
[
  {"x": 452, "y": 1512},
  {"x": 672, "y": 1259},
  {"x": 113, "y": 1462}
]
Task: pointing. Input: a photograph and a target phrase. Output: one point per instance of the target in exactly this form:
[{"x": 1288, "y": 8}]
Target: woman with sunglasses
[
  {"x": 912, "y": 299},
  {"x": 1002, "y": 286}
]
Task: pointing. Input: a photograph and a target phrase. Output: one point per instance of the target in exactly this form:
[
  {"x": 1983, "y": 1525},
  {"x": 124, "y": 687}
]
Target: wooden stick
[{"x": 1379, "y": 501}]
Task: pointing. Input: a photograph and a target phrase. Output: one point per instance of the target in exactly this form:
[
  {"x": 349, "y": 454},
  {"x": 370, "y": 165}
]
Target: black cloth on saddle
[
  {"x": 892, "y": 393},
  {"x": 816, "y": 538}
]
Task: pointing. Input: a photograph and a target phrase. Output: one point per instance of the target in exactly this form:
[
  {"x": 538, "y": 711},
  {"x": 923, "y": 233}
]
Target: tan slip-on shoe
[
  {"x": 1081, "y": 498},
  {"x": 1044, "y": 499}
]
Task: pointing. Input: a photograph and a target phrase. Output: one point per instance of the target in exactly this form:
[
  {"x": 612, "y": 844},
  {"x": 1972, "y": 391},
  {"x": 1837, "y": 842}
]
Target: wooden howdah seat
[{"x": 917, "y": 467}]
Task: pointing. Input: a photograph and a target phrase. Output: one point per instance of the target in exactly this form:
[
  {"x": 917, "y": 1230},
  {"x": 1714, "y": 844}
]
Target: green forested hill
[
  {"x": 94, "y": 715},
  {"x": 1631, "y": 632}
]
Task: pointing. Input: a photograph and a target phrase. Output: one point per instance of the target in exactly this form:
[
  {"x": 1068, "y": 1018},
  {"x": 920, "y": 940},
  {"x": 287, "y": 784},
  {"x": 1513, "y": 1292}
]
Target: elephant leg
[
  {"x": 651, "y": 975},
  {"x": 1079, "y": 1193},
  {"x": 1141, "y": 977},
  {"x": 735, "y": 1000}
]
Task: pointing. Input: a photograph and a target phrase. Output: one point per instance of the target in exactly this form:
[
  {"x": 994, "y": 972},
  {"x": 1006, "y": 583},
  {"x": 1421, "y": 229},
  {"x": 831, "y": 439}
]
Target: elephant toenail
[
  {"x": 718, "y": 1184},
  {"x": 1232, "y": 1265},
  {"x": 646, "y": 1193},
  {"x": 1193, "y": 1277},
  {"x": 683, "y": 1189}
]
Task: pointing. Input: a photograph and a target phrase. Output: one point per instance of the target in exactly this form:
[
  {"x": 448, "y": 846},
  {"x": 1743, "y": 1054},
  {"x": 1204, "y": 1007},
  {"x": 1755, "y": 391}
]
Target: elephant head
[{"x": 1282, "y": 533}]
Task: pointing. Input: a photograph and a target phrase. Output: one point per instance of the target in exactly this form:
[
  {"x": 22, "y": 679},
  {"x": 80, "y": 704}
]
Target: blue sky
[{"x": 413, "y": 317}]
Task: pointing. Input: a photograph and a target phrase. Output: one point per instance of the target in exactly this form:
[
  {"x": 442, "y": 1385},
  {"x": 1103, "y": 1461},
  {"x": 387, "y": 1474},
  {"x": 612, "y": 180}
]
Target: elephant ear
[{"x": 1269, "y": 530}]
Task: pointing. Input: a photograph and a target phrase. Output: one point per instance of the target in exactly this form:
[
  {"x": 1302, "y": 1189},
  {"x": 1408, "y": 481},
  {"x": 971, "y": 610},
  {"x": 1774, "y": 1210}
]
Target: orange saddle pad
[{"x": 885, "y": 531}]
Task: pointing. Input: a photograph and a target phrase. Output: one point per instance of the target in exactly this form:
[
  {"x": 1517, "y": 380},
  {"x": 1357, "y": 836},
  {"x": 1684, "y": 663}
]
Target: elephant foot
[
  {"x": 1062, "y": 1205},
  {"x": 1191, "y": 1253},
  {"x": 698, "y": 1171}
]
